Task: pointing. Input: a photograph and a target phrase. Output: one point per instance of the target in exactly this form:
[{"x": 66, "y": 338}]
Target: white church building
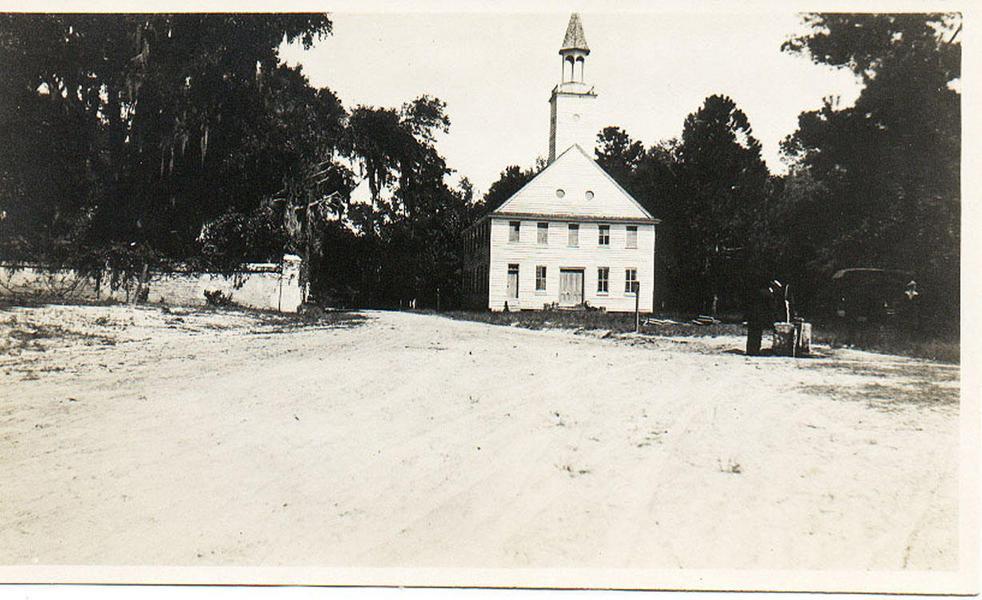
[{"x": 571, "y": 235}]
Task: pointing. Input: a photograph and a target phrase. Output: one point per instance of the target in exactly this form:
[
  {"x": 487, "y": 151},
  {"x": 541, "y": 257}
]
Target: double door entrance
[{"x": 570, "y": 286}]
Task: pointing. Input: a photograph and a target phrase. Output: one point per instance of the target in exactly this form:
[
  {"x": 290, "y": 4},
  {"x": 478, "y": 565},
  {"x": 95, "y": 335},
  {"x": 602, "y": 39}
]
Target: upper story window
[
  {"x": 574, "y": 234},
  {"x": 542, "y": 233},
  {"x": 632, "y": 236},
  {"x": 603, "y": 238},
  {"x": 589, "y": 195},
  {"x": 560, "y": 193},
  {"x": 514, "y": 227}
]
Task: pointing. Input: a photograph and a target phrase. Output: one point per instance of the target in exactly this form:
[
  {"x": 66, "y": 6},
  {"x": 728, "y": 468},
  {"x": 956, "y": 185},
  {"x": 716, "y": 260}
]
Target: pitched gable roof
[{"x": 575, "y": 173}]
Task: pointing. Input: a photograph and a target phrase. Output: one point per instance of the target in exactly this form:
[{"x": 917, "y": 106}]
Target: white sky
[{"x": 495, "y": 72}]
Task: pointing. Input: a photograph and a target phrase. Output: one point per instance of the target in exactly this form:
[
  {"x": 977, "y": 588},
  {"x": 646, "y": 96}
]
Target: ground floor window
[
  {"x": 513, "y": 281},
  {"x": 630, "y": 281},
  {"x": 540, "y": 279},
  {"x": 603, "y": 280}
]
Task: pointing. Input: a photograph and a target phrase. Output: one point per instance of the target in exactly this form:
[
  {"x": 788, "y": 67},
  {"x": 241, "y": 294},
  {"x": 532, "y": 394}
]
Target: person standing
[{"x": 760, "y": 315}]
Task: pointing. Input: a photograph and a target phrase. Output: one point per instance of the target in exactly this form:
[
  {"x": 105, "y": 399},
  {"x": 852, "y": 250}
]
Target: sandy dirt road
[{"x": 145, "y": 437}]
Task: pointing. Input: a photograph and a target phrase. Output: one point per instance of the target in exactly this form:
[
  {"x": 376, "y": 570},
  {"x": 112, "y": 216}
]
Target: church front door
[{"x": 570, "y": 286}]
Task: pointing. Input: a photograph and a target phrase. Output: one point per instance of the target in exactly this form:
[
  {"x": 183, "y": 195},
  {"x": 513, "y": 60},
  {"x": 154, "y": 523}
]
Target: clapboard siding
[{"x": 556, "y": 255}]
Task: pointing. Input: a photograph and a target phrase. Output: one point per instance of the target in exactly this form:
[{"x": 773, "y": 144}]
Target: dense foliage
[
  {"x": 875, "y": 184},
  {"x": 709, "y": 188},
  {"x": 124, "y": 135},
  {"x": 135, "y": 140},
  {"x": 148, "y": 140},
  {"x": 883, "y": 176},
  {"x": 406, "y": 244}
]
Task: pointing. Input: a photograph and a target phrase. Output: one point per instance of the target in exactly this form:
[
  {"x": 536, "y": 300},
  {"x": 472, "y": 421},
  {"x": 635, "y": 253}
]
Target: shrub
[{"x": 217, "y": 298}]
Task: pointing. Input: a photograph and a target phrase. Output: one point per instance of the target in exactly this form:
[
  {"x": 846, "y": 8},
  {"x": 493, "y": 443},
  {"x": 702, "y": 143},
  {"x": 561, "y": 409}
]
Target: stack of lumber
[{"x": 705, "y": 320}]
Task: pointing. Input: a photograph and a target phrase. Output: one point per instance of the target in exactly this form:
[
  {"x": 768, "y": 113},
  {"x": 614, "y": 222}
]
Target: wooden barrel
[
  {"x": 783, "y": 341},
  {"x": 792, "y": 339},
  {"x": 803, "y": 335}
]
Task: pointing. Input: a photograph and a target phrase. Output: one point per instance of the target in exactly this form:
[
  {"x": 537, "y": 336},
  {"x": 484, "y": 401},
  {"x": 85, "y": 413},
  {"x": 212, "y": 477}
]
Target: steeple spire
[
  {"x": 575, "y": 39},
  {"x": 570, "y": 113},
  {"x": 574, "y": 51}
]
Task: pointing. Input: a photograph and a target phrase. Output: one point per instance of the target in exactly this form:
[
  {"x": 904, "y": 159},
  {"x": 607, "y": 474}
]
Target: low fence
[{"x": 266, "y": 286}]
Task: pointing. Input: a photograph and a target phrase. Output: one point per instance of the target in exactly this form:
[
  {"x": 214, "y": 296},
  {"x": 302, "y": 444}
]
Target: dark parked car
[{"x": 869, "y": 294}]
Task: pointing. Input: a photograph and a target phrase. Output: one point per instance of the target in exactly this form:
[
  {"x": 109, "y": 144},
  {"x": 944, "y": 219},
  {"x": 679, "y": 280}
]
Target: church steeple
[
  {"x": 574, "y": 50},
  {"x": 571, "y": 104}
]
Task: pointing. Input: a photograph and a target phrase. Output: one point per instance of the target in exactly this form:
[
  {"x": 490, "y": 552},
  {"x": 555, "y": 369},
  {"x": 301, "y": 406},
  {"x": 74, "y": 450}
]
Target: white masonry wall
[
  {"x": 556, "y": 255},
  {"x": 264, "y": 286}
]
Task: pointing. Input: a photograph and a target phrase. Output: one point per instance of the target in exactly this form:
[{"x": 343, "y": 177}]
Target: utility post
[
  {"x": 306, "y": 266},
  {"x": 307, "y": 245}
]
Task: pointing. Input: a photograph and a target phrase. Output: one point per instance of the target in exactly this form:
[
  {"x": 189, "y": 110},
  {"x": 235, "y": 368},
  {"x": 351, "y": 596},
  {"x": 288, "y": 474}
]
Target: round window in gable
[
  {"x": 560, "y": 193},
  {"x": 589, "y": 195}
]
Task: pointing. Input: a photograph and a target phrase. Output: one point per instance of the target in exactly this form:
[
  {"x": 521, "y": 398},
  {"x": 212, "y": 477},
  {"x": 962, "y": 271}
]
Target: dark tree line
[
  {"x": 156, "y": 140},
  {"x": 875, "y": 184},
  {"x": 134, "y": 140},
  {"x": 406, "y": 244},
  {"x": 710, "y": 188},
  {"x": 879, "y": 182},
  {"x": 124, "y": 135}
]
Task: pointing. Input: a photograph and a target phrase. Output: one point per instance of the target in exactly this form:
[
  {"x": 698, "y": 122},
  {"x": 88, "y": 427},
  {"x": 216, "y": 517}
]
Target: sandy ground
[{"x": 135, "y": 436}]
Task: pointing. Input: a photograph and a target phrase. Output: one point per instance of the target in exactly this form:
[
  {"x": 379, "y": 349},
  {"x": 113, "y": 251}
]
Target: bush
[{"x": 217, "y": 298}]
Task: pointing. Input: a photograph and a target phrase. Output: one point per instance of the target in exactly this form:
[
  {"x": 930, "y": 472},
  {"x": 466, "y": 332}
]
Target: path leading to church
[{"x": 139, "y": 436}]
